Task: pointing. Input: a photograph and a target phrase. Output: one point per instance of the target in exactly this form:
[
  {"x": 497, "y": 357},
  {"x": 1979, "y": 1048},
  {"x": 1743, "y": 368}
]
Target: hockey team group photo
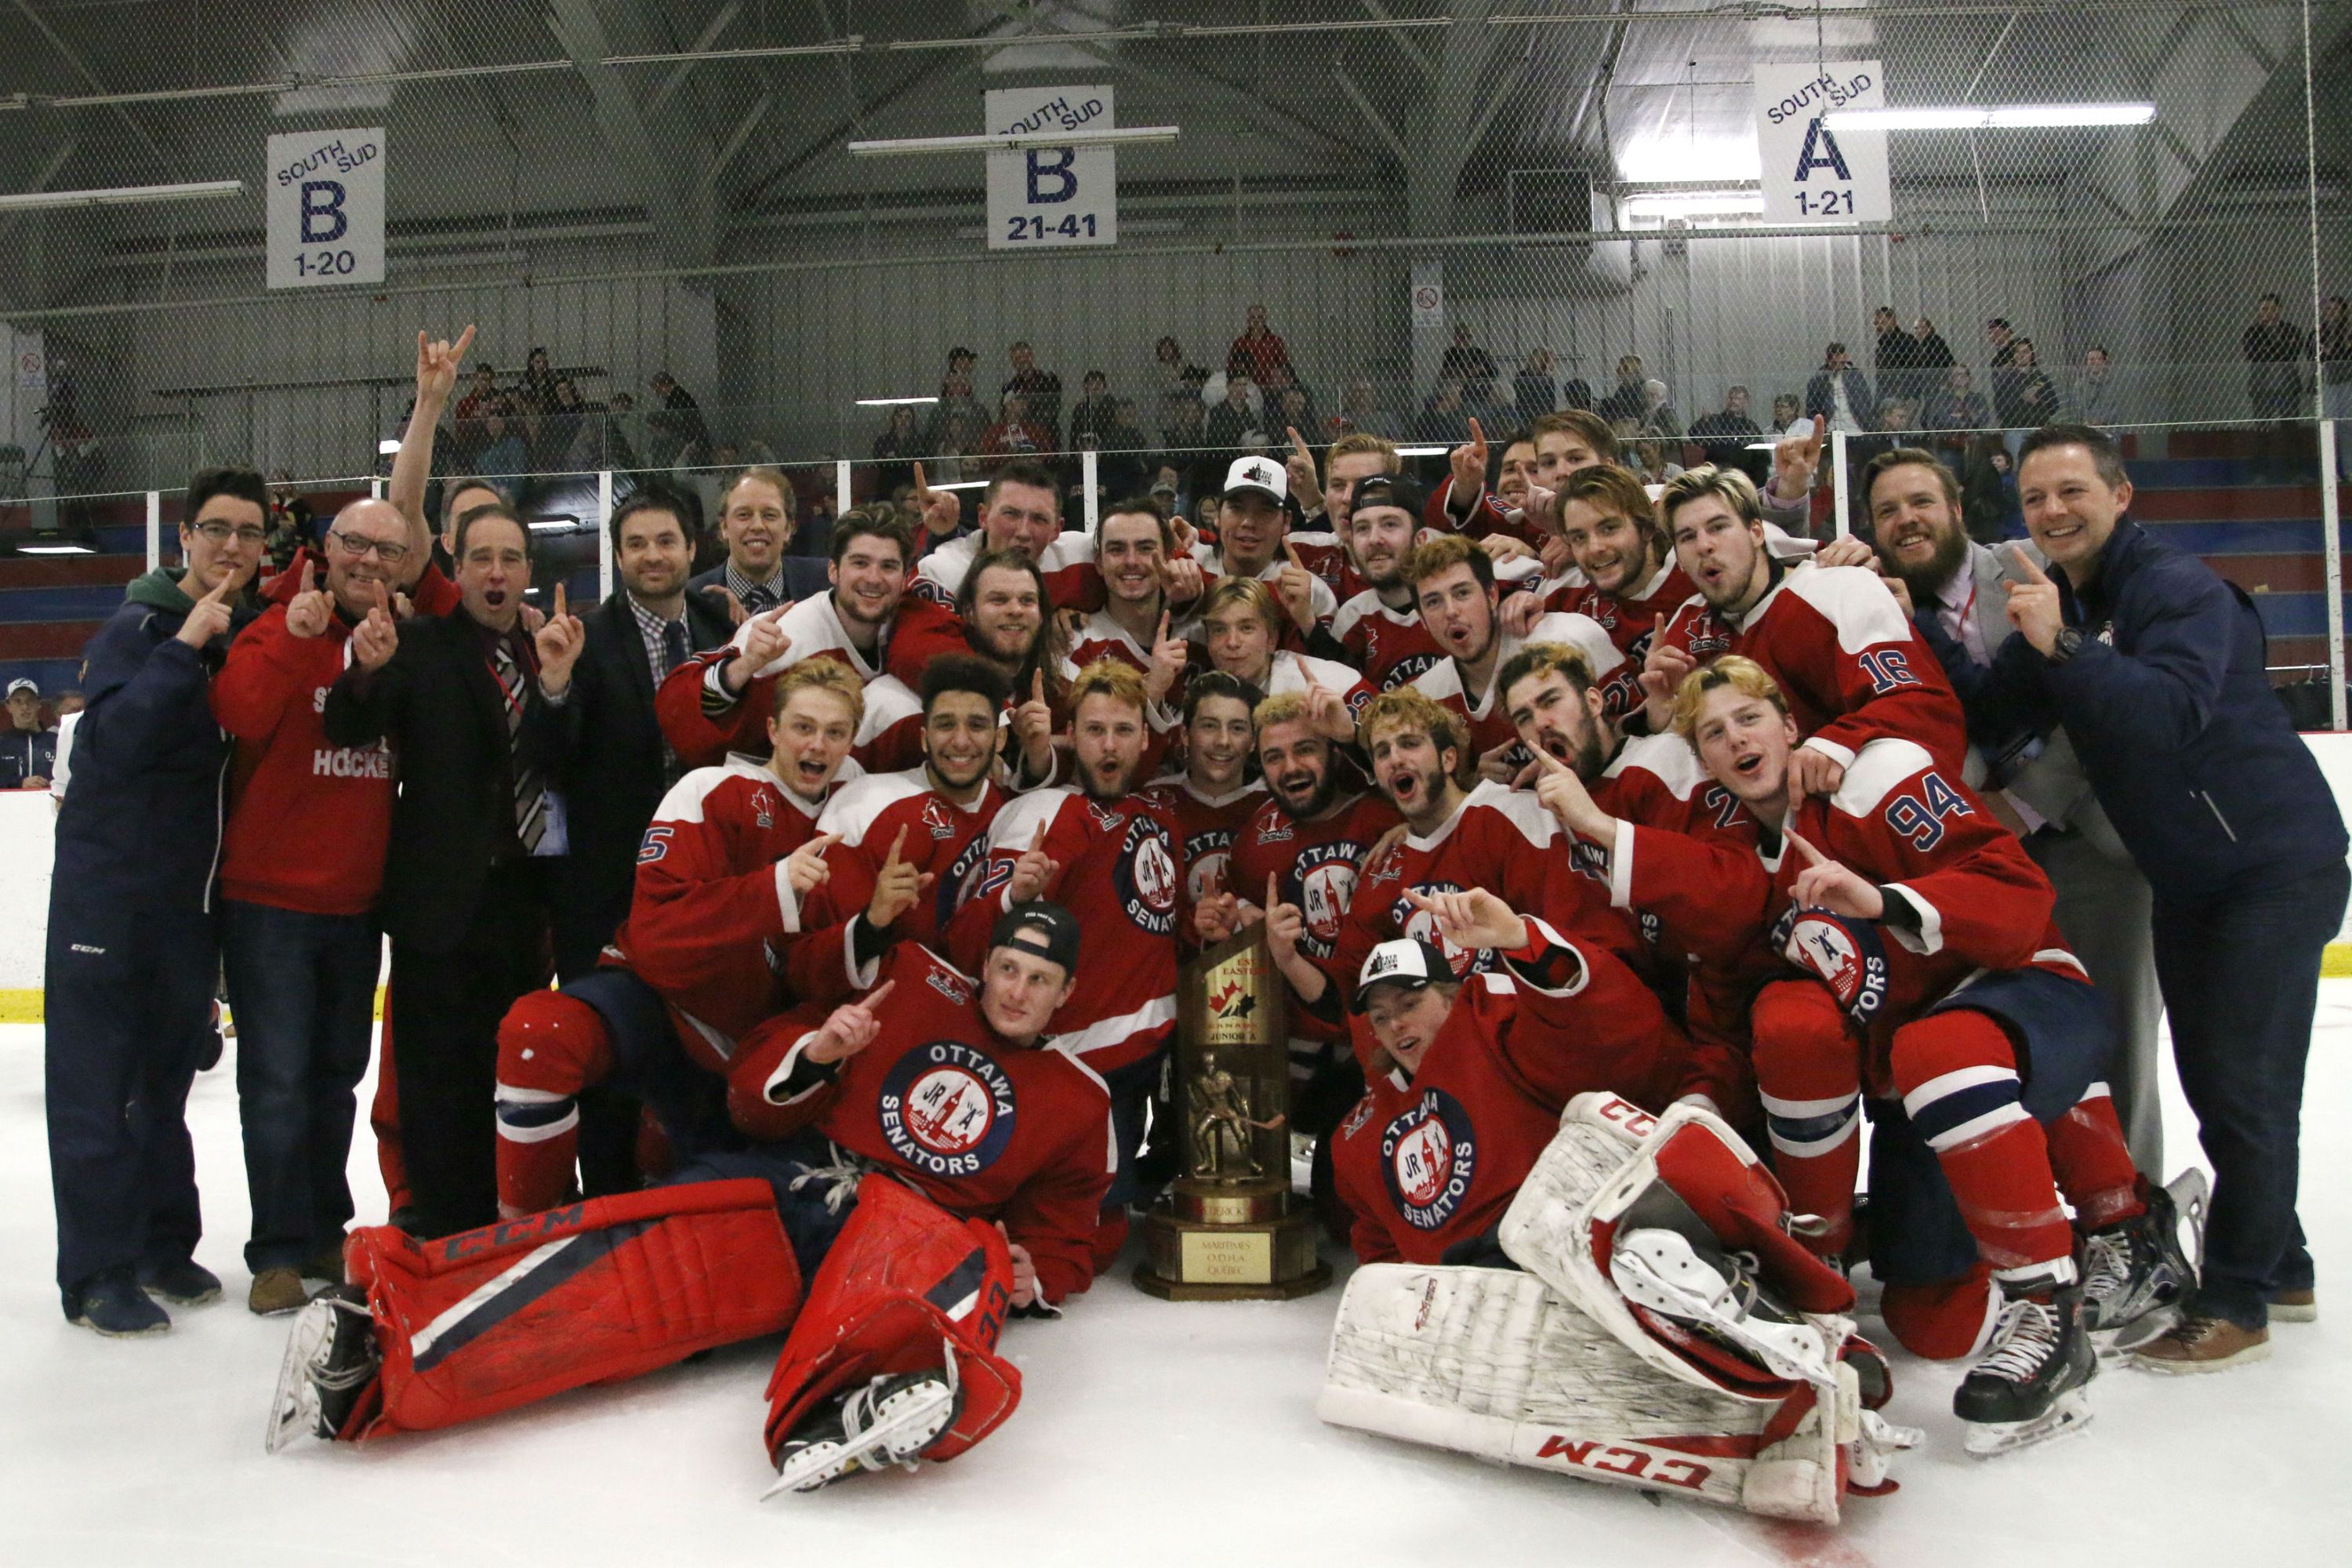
[{"x": 736, "y": 826}]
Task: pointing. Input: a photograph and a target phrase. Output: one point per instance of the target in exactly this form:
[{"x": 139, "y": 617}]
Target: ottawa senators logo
[
  {"x": 1326, "y": 886},
  {"x": 1145, "y": 877},
  {"x": 1846, "y": 954},
  {"x": 959, "y": 880},
  {"x": 947, "y": 1108},
  {"x": 1429, "y": 1156}
]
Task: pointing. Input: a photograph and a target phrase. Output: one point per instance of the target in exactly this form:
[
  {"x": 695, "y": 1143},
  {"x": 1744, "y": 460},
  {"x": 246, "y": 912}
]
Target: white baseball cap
[
  {"x": 23, "y": 683},
  {"x": 1403, "y": 960},
  {"x": 1262, "y": 474}
]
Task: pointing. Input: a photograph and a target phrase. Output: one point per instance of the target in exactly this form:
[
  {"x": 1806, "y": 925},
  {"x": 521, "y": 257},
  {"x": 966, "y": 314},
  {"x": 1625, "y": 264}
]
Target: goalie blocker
[{"x": 1636, "y": 1349}]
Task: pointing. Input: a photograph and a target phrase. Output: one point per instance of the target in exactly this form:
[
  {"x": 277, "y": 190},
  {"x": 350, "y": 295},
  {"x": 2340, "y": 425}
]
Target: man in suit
[
  {"x": 471, "y": 704},
  {"x": 1958, "y": 590},
  {"x": 755, "y": 518}
]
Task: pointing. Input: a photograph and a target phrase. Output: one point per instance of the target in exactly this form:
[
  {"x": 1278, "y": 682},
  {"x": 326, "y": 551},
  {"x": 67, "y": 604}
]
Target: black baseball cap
[
  {"x": 1387, "y": 490},
  {"x": 1403, "y": 960},
  {"x": 1042, "y": 930}
]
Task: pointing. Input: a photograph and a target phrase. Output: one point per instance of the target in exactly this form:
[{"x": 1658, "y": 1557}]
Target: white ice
[{"x": 1149, "y": 1433}]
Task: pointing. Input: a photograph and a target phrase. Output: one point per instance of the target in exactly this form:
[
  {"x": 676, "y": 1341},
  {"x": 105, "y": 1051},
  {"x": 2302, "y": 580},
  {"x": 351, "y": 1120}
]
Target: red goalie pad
[
  {"x": 903, "y": 1277},
  {"x": 1740, "y": 1201},
  {"x": 486, "y": 1320}
]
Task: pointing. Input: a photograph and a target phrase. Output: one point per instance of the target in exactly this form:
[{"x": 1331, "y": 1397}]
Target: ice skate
[
  {"x": 1716, "y": 1293},
  {"x": 2134, "y": 1274},
  {"x": 330, "y": 1357},
  {"x": 2029, "y": 1386},
  {"x": 889, "y": 1421}
]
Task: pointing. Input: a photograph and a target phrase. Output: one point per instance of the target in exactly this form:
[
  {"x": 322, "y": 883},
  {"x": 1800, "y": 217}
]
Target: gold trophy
[{"x": 1229, "y": 1231}]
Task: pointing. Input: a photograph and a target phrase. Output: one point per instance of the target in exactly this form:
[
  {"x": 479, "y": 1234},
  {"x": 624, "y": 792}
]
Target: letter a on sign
[
  {"x": 1812, "y": 174},
  {"x": 1820, "y": 152}
]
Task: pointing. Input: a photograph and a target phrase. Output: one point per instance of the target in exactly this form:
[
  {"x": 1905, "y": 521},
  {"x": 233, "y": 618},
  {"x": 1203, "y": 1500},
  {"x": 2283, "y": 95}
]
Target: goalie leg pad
[
  {"x": 1490, "y": 1362},
  {"x": 487, "y": 1320},
  {"x": 903, "y": 1279}
]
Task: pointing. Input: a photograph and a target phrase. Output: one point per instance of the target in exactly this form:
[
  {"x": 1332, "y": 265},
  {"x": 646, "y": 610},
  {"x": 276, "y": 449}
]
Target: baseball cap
[
  {"x": 1386, "y": 489},
  {"x": 23, "y": 683},
  {"x": 1263, "y": 474},
  {"x": 1405, "y": 961},
  {"x": 1163, "y": 487},
  {"x": 1042, "y": 930}
]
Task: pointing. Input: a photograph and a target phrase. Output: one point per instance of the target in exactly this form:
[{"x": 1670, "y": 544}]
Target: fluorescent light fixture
[
  {"x": 388, "y": 447},
  {"x": 554, "y": 525},
  {"x": 1422, "y": 451},
  {"x": 54, "y": 550},
  {"x": 962, "y": 484},
  {"x": 119, "y": 196},
  {"x": 1763, "y": 447},
  {"x": 1107, "y": 137},
  {"x": 892, "y": 401},
  {"x": 1992, "y": 117},
  {"x": 1691, "y": 204}
]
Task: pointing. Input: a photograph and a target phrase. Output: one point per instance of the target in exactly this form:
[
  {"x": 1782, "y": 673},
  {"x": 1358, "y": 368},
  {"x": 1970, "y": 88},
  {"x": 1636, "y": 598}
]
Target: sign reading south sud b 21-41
[
  {"x": 1041, "y": 197},
  {"x": 324, "y": 195},
  {"x": 1811, "y": 173}
]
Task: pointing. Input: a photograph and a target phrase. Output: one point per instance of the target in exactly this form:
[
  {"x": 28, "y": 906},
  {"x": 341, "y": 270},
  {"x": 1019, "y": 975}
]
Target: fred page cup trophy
[{"x": 1230, "y": 1230}]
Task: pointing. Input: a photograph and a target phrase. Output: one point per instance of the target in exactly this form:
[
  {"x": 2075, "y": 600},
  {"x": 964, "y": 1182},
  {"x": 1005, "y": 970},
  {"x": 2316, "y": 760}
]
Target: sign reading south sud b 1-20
[
  {"x": 324, "y": 197},
  {"x": 1812, "y": 174}
]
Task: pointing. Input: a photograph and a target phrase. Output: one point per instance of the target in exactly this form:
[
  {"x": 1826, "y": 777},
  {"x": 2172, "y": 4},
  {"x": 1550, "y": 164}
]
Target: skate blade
[
  {"x": 294, "y": 1405},
  {"x": 1990, "y": 1439},
  {"x": 914, "y": 1425},
  {"x": 2115, "y": 1345}
]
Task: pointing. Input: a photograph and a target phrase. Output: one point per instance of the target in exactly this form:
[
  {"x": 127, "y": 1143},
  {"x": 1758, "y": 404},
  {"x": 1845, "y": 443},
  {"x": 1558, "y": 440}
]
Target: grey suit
[{"x": 2102, "y": 899}]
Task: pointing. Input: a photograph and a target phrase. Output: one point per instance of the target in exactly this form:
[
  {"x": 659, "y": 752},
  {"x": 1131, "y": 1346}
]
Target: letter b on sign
[
  {"x": 1052, "y": 177},
  {"x": 323, "y": 212}
]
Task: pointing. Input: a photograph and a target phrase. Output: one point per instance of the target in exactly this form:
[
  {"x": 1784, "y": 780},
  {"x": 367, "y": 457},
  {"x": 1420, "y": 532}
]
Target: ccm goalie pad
[
  {"x": 486, "y": 1320},
  {"x": 894, "y": 1357},
  {"x": 1661, "y": 1339}
]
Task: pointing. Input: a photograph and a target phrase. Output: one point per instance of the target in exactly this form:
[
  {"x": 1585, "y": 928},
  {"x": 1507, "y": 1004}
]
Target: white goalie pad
[{"x": 1490, "y": 1363}]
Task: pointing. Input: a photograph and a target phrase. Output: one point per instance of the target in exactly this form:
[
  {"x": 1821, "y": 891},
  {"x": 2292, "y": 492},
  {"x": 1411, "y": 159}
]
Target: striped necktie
[{"x": 530, "y": 790}]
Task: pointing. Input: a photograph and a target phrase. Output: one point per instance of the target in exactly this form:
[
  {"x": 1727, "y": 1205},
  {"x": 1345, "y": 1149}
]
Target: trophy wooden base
[{"x": 1272, "y": 1259}]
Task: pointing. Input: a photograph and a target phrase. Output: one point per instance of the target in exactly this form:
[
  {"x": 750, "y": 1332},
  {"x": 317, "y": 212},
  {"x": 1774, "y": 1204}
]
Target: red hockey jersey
[
  {"x": 1071, "y": 578},
  {"x": 1619, "y": 681},
  {"x": 1119, "y": 877},
  {"x": 1630, "y": 619},
  {"x": 712, "y": 905},
  {"x": 1206, "y": 827},
  {"x": 1845, "y": 653},
  {"x": 1391, "y": 647},
  {"x": 1317, "y": 865},
  {"x": 985, "y": 1130},
  {"x": 1426, "y": 1162}
]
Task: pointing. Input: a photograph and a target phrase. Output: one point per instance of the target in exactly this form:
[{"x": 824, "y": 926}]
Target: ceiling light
[
  {"x": 892, "y": 401},
  {"x": 1689, "y": 204},
  {"x": 554, "y": 525},
  {"x": 388, "y": 447},
  {"x": 1104, "y": 137},
  {"x": 960, "y": 484},
  {"x": 1995, "y": 117},
  {"x": 1422, "y": 451},
  {"x": 119, "y": 196},
  {"x": 54, "y": 550}
]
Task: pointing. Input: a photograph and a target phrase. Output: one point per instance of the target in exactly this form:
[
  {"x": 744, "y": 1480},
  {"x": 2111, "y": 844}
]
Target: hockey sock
[
  {"x": 2094, "y": 1163},
  {"x": 1958, "y": 1076},
  {"x": 550, "y": 1046},
  {"x": 1808, "y": 1076}
]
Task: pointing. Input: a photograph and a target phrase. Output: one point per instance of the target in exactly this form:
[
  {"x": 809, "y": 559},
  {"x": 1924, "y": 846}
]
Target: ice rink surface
[{"x": 1149, "y": 1433}]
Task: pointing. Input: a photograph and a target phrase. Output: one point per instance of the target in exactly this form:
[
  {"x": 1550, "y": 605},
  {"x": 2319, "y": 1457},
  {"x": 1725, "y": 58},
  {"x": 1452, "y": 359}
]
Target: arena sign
[
  {"x": 1811, "y": 175},
  {"x": 324, "y": 194},
  {"x": 1041, "y": 197}
]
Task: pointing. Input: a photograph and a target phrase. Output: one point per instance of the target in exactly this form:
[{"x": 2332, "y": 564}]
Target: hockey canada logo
[
  {"x": 947, "y": 1108},
  {"x": 1429, "y": 1156},
  {"x": 1145, "y": 877},
  {"x": 936, "y": 818}
]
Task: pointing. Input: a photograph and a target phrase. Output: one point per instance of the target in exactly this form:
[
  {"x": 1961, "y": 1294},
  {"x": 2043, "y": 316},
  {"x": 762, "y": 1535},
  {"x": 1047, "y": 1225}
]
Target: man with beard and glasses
[
  {"x": 1833, "y": 639},
  {"x": 717, "y": 702},
  {"x": 2031, "y": 778},
  {"x": 1108, "y": 854}
]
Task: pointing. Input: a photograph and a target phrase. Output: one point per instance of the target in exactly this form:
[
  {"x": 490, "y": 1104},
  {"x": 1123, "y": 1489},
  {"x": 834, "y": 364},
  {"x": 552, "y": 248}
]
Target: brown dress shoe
[
  {"x": 327, "y": 1264},
  {"x": 2295, "y": 1307},
  {"x": 2203, "y": 1345},
  {"x": 276, "y": 1291}
]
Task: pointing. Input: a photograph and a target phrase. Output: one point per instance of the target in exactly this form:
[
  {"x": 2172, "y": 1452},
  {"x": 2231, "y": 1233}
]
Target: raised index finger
[
  {"x": 895, "y": 845},
  {"x": 1812, "y": 856},
  {"x": 923, "y": 487},
  {"x": 558, "y": 601},
  {"x": 1299, "y": 443},
  {"x": 2025, "y": 563},
  {"x": 876, "y": 995},
  {"x": 1477, "y": 438}
]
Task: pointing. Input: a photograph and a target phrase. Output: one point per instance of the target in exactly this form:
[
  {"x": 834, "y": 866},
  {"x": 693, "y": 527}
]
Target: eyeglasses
[
  {"x": 221, "y": 533},
  {"x": 391, "y": 555}
]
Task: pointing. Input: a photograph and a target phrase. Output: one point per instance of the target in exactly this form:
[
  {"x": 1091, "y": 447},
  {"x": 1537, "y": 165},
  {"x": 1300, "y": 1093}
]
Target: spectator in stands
[
  {"x": 1652, "y": 459},
  {"x": 2001, "y": 362},
  {"x": 1188, "y": 440},
  {"x": 1361, "y": 412},
  {"x": 1016, "y": 433},
  {"x": 133, "y": 949},
  {"x": 1931, "y": 356},
  {"x": 1124, "y": 463},
  {"x": 1446, "y": 418},
  {"x": 1658, "y": 416},
  {"x": 503, "y": 459},
  {"x": 1258, "y": 345},
  {"x": 291, "y": 526},
  {"x": 1095, "y": 412},
  {"x": 28, "y": 748},
  {"x": 897, "y": 448},
  {"x": 2094, "y": 402},
  {"x": 1236, "y": 426},
  {"x": 1958, "y": 407},
  {"x": 957, "y": 402},
  {"x": 301, "y": 863},
  {"x": 675, "y": 429},
  {"x": 481, "y": 399},
  {"x": 2333, "y": 341},
  {"x": 1838, "y": 397},
  {"x": 1175, "y": 381},
  {"x": 1277, "y": 406},
  {"x": 755, "y": 520},
  {"x": 1725, "y": 434},
  {"x": 1040, "y": 390},
  {"x": 2275, "y": 349},
  {"x": 950, "y": 447},
  {"x": 2032, "y": 396},
  {"x": 553, "y": 429},
  {"x": 1895, "y": 359},
  {"x": 1465, "y": 361},
  {"x": 625, "y": 431},
  {"x": 1989, "y": 491},
  {"x": 1534, "y": 390},
  {"x": 1786, "y": 409},
  {"x": 537, "y": 389},
  {"x": 1625, "y": 402}
]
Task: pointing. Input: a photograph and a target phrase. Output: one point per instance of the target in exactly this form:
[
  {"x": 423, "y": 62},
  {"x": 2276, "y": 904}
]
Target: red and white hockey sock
[
  {"x": 2094, "y": 1163},
  {"x": 1808, "y": 1076},
  {"x": 1958, "y": 1076},
  {"x": 550, "y": 1046}
]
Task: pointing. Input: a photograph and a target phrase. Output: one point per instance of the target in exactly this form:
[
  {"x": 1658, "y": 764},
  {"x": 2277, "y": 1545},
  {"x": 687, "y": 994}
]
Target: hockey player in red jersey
[
  {"x": 1004, "y": 618},
  {"x": 1832, "y": 636},
  {"x": 928, "y": 1171},
  {"x": 1214, "y": 796},
  {"x": 1240, "y": 625},
  {"x": 1144, "y": 581},
  {"x": 1625, "y": 578},
  {"x": 1471, "y": 1072},
  {"x": 1454, "y": 583},
  {"x": 729, "y": 855},
  {"x": 717, "y": 702},
  {"x": 1378, "y": 631},
  {"x": 1320, "y": 536},
  {"x": 1020, "y": 510},
  {"x": 1935, "y": 974}
]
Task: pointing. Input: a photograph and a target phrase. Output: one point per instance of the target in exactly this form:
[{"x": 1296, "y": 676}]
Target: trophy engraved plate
[{"x": 1230, "y": 1229}]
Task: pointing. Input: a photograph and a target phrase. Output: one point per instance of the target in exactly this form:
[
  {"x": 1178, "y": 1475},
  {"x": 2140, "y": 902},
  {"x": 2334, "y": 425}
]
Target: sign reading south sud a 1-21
[
  {"x": 323, "y": 192},
  {"x": 1812, "y": 174}
]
